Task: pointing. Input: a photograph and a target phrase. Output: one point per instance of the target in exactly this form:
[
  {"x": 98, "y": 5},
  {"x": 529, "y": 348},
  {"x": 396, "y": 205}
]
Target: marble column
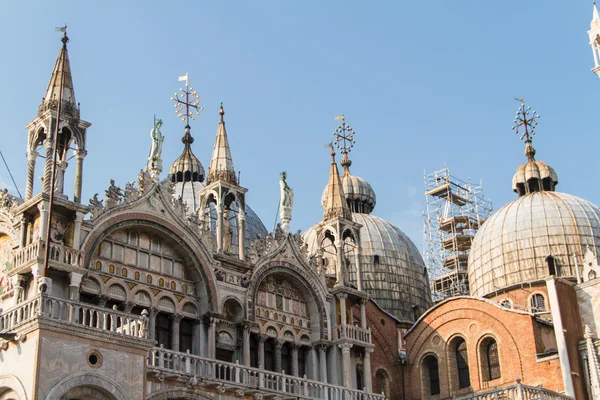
[
  {"x": 77, "y": 230},
  {"x": 323, "y": 362},
  {"x": 31, "y": 156},
  {"x": 342, "y": 298},
  {"x": 261, "y": 351},
  {"x": 212, "y": 328},
  {"x": 246, "y": 346},
  {"x": 341, "y": 267},
  {"x": 367, "y": 374},
  {"x": 80, "y": 155},
  {"x": 219, "y": 227},
  {"x": 23, "y": 234},
  {"x": 347, "y": 378},
  {"x": 152, "y": 323},
  {"x": 43, "y": 207},
  {"x": 175, "y": 320},
  {"x": 17, "y": 288},
  {"x": 48, "y": 165},
  {"x": 358, "y": 263},
  {"x": 278, "y": 346},
  {"x": 314, "y": 375},
  {"x": 363, "y": 313},
  {"x": 201, "y": 339},
  {"x": 242, "y": 235},
  {"x": 74, "y": 282},
  {"x": 295, "y": 371}
]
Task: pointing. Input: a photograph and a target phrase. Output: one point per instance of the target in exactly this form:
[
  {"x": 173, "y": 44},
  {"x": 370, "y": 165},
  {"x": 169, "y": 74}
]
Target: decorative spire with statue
[
  {"x": 286, "y": 203},
  {"x": 154, "y": 159}
]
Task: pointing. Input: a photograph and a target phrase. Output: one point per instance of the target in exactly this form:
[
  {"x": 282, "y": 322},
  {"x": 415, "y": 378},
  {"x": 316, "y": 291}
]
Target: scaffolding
[{"x": 454, "y": 211}]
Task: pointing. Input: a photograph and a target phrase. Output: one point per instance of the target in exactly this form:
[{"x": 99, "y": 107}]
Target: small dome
[
  {"x": 531, "y": 238},
  {"x": 534, "y": 171},
  {"x": 358, "y": 193},
  {"x": 187, "y": 167},
  {"x": 394, "y": 273}
]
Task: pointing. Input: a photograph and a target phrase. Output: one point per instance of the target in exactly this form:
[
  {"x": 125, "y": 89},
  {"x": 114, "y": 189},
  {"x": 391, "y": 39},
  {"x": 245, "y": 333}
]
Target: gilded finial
[
  {"x": 525, "y": 124},
  {"x": 344, "y": 141},
  {"x": 187, "y": 102}
]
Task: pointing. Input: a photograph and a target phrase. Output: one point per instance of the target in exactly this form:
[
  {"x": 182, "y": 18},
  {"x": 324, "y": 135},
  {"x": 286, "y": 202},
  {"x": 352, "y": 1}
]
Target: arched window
[
  {"x": 490, "y": 362},
  {"x": 382, "y": 383},
  {"x": 359, "y": 378},
  {"x": 432, "y": 374},
  {"x": 462, "y": 364},
  {"x": 538, "y": 303},
  {"x": 551, "y": 265}
]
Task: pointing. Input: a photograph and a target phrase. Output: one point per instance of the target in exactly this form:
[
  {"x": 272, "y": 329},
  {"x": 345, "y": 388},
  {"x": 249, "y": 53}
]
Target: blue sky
[{"x": 422, "y": 83}]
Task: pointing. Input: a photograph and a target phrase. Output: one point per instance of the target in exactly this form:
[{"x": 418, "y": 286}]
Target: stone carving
[
  {"x": 96, "y": 207},
  {"x": 57, "y": 232},
  {"x": 7, "y": 201},
  {"x": 5, "y": 282},
  {"x": 180, "y": 207},
  {"x": 154, "y": 160},
  {"x": 227, "y": 233},
  {"x": 208, "y": 238},
  {"x": 131, "y": 192},
  {"x": 145, "y": 182},
  {"x": 285, "y": 203},
  {"x": 114, "y": 195},
  {"x": 168, "y": 186}
]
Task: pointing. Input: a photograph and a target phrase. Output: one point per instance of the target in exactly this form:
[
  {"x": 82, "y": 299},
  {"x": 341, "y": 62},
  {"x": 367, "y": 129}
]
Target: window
[
  {"x": 432, "y": 369},
  {"x": 163, "y": 330},
  {"x": 359, "y": 379},
  {"x": 462, "y": 364},
  {"x": 186, "y": 334},
  {"x": 381, "y": 383},
  {"x": 551, "y": 265},
  {"x": 538, "y": 303},
  {"x": 490, "y": 362}
]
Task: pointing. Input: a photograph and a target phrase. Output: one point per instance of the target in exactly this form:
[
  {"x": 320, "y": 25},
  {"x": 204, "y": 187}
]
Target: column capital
[
  {"x": 48, "y": 142},
  {"x": 43, "y": 206},
  {"x": 363, "y": 301},
  {"x": 279, "y": 343},
  {"x": 263, "y": 338},
  {"x": 368, "y": 351},
  {"x": 345, "y": 347},
  {"x": 75, "y": 278},
  {"x": 80, "y": 154},
  {"x": 176, "y": 318},
  {"x": 322, "y": 347},
  {"x": 342, "y": 296},
  {"x": 79, "y": 216},
  {"x": 32, "y": 155},
  {"x": 17, "y": 279}
]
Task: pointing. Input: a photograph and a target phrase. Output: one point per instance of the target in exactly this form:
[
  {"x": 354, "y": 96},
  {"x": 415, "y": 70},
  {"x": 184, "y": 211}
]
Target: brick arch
[
  {"x": 309, "y": 285},
  {"x": 109, "y": 388},
  {"x": 192, "y": 248}
]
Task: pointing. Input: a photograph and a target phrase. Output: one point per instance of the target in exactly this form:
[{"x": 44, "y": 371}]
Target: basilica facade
[{"x": 171, "y": 287}]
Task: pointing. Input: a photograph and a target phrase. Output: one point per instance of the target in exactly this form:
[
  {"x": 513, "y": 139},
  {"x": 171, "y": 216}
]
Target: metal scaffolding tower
[{"x": 455, "y": 210}]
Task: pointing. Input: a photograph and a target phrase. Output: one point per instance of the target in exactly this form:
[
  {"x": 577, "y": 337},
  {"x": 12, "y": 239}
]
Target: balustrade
[
  {"x": 72, "y": 312},
  {"x": 27, "y": 253},
  {"x": 517, "y": 392},
  {"x": 58, "y": 253},
  {"x": 352, "y": 332},
  {"x": 174, "y": 363}
]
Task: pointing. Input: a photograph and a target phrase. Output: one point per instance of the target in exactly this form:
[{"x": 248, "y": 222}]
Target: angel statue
[
  {"x": 157, "y": 139},
  {"x": 285, "y": 203}
]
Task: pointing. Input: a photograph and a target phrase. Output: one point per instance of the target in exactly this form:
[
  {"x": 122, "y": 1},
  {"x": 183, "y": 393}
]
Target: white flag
[
  {"x": 183, "y": 78},
  {"x": 339, "y": 117}
]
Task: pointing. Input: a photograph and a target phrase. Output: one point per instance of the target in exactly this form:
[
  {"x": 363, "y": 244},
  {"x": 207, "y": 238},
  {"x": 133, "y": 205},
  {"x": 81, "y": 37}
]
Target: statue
[
  {"x": 145, "y": 181},
  {"x": 113, "y": 195},
  {"x": 154, "y": 160},
  {"x": 285, "y": 203},
  {"x": 59, "y": 176},
  {"x": 96, "y": 206},
  {"x": 57, "y": 232},
  {"x": 131, "y": 192},
  {"x": 227, "y": 233}
]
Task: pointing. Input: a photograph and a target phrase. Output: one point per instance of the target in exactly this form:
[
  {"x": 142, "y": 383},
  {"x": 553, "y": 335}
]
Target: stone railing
[
  {"x": 170, "y": 364},
  {"x": 58, "y": 253},
  {"x": 352, "y": 332},
  {"x": 74, "y": 313},
  {"x": 517, "y": 392}
]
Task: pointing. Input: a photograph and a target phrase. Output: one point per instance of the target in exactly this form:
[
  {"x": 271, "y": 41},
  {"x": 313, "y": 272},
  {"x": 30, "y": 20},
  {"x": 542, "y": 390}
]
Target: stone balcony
[
  {"x": 195, "y": 370},
  {"x": 517, "y": 392},
  {"x": 71, "y": 313},
  {"x": 61, "y": 257},
  {"x": 353, "y": 334}
]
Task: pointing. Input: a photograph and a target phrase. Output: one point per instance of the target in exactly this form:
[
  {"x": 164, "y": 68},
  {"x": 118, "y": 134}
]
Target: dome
[
  {"x": 531, "y": 238},
  {"x": 187, "y": 167},
  {"x": 394, "y": 273},
  {"x": 534, "y": 171},
  {"x": 358, "y": 193}
]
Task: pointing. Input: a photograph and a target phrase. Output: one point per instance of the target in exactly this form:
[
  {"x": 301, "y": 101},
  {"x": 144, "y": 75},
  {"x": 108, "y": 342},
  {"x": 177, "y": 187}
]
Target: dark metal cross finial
[
  {"x": 188, "y": 105},
  {"x": 525, "y": 121},
  {"x": 344, "y": 136}
]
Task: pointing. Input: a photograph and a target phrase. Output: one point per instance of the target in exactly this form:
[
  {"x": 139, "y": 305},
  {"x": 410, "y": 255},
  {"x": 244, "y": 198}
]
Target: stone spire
[
  {"x": 61, "y": 75},
  {"x": 335, "y": 203},
  {"x": 221, "y": 163},
  {"x": 594, "y": 34}
]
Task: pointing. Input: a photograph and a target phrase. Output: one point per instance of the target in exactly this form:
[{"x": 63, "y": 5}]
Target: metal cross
[
  {"x": 188, "y": 104},
  {"x": 527, "y": 119},
  {"x": 344, "y": 136}
]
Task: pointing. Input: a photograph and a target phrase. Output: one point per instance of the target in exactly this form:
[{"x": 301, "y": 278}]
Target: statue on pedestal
[
  {"x": 154, "y": 160},
  {"x": 285, "y": 203}
]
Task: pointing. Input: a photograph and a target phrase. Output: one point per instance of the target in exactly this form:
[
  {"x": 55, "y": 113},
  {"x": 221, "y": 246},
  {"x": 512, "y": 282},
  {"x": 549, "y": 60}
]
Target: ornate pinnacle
[{"x": 188, "y": 105}]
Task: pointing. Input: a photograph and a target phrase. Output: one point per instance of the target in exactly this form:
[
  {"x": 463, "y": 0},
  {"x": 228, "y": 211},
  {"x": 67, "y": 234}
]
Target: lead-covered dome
[
  {"x": 394, "y": 273},
  {"x": 531, "y": 238}
]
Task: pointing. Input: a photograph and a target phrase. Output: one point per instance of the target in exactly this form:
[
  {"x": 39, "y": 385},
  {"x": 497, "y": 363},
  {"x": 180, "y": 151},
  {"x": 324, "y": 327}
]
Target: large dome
[
  {"x": 530, "y": 237},
  {"x": 394, "y": 273}
]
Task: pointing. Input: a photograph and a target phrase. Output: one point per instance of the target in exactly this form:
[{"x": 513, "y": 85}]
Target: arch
[
  {"x": 139, "y": 295},
  {"x": 166, "y": 303},
  {"x": 111, "y": 389},
  {"x": 116, "y": 290},
  {"x": 489, "y": 357},
  {"x": 430, "y": 375},
  {"x": 304, "y": 280},
  {"x": 551, "y": 264},
  {"x": 233, "y": 309},
  {"x": 458, "y": 362},
  {"x": 193, "y": 249},
  {"x": 537, "y": 302},
  {"x": 382, "y": 382},
  {"x": 11, "y": 382},
  {"x": 179, "y": 394}
]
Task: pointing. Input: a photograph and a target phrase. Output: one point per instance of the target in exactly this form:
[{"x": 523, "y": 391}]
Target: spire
[
  {"x": 61, "y": 74},
  {"x": 221, "y": 163},
  {"x": 335, "y": 203},
  {"x": 594, "y": 34},
  {"x": 595, "y": 18}
]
